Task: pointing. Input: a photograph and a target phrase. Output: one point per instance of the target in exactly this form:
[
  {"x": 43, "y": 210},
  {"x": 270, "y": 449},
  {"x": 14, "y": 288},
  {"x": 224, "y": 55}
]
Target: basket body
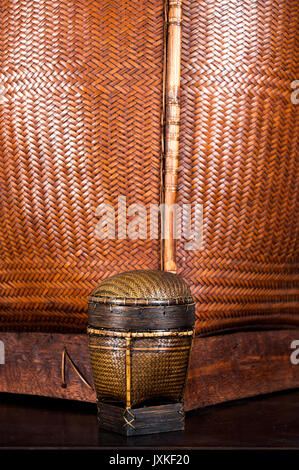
[
  {"x": 143, "y": 356},
  {"x": 158, "y": 360}
]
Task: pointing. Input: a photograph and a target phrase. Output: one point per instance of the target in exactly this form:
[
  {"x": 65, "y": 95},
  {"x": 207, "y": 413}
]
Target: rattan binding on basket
[{"x": 157, "y": 365}]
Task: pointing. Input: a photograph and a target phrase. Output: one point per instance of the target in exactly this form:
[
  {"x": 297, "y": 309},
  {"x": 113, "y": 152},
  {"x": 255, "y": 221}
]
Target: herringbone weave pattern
[
  {"x": 80, "y": 107},
  {"x": 79, "y": 125},
  {"x": 239, "y": 158}
]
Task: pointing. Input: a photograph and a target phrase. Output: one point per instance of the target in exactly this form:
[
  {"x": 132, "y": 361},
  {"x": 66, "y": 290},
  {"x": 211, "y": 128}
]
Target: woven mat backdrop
[
  {"x": 239, "y": 158},
  {"x": 80, "y": 125}
]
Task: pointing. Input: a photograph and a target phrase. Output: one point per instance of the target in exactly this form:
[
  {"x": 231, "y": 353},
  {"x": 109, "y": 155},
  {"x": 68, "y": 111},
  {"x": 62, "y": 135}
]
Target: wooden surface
[
  {"x": 33, "y": 365},
  {"x": 263, "y": 422},
  {"x": 139, "y": 421},
  {"x": 224, "y": 367},
  {"x": 231, "y": 366}
]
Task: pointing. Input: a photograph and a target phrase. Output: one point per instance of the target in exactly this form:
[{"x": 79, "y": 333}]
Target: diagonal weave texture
[
  {"x": 143, "y": 287},
  {"x": 79, "y": 125},
  {"x": 158, "y": 366},
  {"x": 239, "y": 158}
]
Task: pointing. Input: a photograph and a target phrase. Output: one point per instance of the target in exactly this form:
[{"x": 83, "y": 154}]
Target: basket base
[{"x": 145, "y": 420}]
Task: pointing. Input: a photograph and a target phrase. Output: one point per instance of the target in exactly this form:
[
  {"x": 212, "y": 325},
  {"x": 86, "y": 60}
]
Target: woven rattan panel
[
  {"x": 79, "y": 125},
  {"x": 239, "y": 158}
]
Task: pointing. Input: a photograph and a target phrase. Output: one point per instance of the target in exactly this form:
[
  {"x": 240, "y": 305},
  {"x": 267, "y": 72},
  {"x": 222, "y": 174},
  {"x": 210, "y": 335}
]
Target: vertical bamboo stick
[
  {"x": 172, "y": 129},
  {"x": 128, "y": 371}
]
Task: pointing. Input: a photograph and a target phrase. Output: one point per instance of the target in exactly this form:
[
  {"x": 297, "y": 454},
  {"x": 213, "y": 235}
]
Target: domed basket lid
[{"x": 143, "y": 288}]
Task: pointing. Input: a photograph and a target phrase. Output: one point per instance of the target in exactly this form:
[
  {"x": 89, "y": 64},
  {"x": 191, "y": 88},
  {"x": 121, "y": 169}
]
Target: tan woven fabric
[
  {"x": 239, "y": 158},
  {"x": 80, "y": 125}
]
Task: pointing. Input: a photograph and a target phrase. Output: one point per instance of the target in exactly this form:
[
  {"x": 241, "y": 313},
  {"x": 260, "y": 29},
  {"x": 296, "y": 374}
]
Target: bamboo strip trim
[
  {"x": 188, "y": 366},
  {"x": 128, "y": 422},
  {"x": 93, "y": 346},
  {"x": 172, "y": 130},
  {"x": 163, "y": 115},
  {"x": 111, "y": 348},
  {"x": 65, "y": 355},
  {"x": 141, "y": 334},
  {"x": 128, "y": 370},
  {"x": 162, "y": 349},
  {"x": 146, "y": 302}
]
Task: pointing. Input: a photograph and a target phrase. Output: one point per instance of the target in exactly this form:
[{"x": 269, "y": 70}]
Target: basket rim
[
  {"x": 142, "y": 334},
  {"x": 140, "y": 301}
]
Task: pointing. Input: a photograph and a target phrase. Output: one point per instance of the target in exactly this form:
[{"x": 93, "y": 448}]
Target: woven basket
[
  {"x": 159, "y": 364},
  {"x": 143, "y": 356}
]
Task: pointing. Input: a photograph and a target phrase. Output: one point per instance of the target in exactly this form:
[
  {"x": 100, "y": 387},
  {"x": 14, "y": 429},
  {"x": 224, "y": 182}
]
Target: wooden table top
[{"x": 262, "y": 422}]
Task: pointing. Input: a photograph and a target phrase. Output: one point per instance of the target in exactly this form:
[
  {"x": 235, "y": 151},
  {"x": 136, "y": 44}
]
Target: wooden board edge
[
  {"x": 222, "y": 368},
  {"x": 239, "y": 365}
]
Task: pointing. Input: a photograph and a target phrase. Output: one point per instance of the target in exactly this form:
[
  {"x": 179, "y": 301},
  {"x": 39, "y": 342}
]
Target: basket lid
[{"x": 143, "y": 288}]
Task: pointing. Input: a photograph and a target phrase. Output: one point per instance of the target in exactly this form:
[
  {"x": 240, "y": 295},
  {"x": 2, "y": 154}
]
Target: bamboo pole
[
  {"x": 128, "y": 371},
  {"x": 171, "y": 130}
]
